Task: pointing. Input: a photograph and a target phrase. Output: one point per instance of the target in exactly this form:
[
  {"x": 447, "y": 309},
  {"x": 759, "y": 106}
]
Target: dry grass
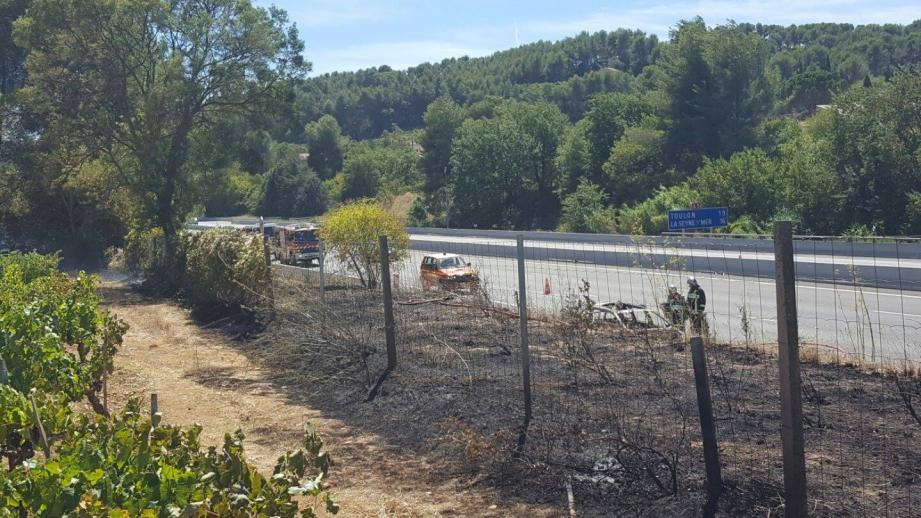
[
  {"x": 620, "y": 419},
  {"x": 398, "y": 206},
  {"x": 206, "y": 376}
]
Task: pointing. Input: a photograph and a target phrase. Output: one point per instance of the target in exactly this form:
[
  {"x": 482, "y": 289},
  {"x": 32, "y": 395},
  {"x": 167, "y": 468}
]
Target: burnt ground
[{"x": 614, "y": 413}]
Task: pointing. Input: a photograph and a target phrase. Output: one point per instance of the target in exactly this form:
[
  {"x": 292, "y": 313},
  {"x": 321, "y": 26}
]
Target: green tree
[
  {"x": 489, "y": 156},
  {"x": 812, "y": 87},
  {"x": 574, "y": 156},
  {"x": 256, "y": 152},
  {"x": 361, "y": 173},
  {"x": 636, "y": 165},
  {"x": 233, "y": 192},
  {"x": 874, "y": 143},
  {"x": 717, "y": 88},
  {"x": 131, "y": 82},
  {"x": 608, "y": 116},
  {"x": 291, "y": 189},
  {"x": 325, "y": 141},
  {"x": 12, "y": 57},
  {"x": 743, "y": 182},
  {"x": 442, "y": 118},
  {"x": 505, "y": 172},
  {"x": 584, "y": 210}
]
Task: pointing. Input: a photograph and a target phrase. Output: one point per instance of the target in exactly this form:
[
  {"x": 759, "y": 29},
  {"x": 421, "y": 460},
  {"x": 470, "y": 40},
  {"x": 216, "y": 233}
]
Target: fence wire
[{"x": 614, "y": 402}]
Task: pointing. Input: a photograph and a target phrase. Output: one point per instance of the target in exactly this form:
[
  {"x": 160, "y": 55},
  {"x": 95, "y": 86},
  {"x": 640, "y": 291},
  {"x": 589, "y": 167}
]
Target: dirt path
[{"x": 200, "y": 378}]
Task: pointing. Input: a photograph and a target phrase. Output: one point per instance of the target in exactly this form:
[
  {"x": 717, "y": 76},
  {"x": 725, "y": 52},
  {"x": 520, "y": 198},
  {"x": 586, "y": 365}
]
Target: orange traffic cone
[{"x": 546, "y": 286}]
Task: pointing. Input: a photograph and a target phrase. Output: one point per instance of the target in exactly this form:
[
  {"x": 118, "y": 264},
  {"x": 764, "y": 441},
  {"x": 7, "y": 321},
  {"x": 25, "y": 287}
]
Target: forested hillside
[
  {"x": 600, "y": 132},
  {"x": 807, "y": 63}
]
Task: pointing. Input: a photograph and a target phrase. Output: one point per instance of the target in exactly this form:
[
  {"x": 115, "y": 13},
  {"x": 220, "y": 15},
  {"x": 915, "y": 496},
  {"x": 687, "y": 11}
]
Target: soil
[
  {"x": 614, "y": 412},
  {"x": 200, "y": 376}
]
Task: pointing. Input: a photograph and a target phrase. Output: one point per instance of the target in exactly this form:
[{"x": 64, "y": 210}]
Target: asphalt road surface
[{"x": 849, "y": 306}]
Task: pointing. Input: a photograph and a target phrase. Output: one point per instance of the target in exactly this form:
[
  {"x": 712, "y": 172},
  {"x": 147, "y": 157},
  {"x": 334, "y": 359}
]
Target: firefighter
[
  {"x": 697, "y": 304},
  {"x": 673, "y": 295},
  {"x": 674, "y": 306}
]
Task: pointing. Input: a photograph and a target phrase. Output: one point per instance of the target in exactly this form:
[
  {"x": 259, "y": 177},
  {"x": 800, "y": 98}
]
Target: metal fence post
[
  {"x": 268, "y": 262},
  {"x": 388, "y": 305},
  {"x": 322, "y": 272},
  {"x": 523, "y": 338},
  {"x": 707, "y": 426},
  {"x": 265, "y": 243},
  {"x": 791, "y": 403}
]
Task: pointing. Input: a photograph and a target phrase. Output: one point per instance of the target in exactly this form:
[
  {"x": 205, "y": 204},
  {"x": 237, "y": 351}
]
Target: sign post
[{"x": 696, "y": 219}]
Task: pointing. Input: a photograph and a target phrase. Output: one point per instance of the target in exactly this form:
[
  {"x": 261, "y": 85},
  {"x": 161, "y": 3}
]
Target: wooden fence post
[
  {"x": 791, "y": 402},
  {"x": 322, "y": 273},
  {"x": 389, "y": 327},
  {"x": 268, "y": 262},
  {"x": 707, "y": 426},
  {"x": 4, "y": 375},
  {"x": 154, "y": 411},
  {"x": 525, "y": 346},
  {"x": 388, "y": 304}
]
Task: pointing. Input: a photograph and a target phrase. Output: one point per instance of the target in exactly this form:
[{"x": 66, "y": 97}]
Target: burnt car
[{"x": 447, "y": 271}]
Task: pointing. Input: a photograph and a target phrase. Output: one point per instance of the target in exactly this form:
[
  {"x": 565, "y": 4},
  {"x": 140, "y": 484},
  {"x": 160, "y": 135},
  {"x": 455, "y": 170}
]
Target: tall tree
[
  {"x": 324, "y": 139},
  {"x": 12, "y": 57},
  {"x": 608, "y": 116},
  {"x": 442, "y": 118},
  {"x": 291, "y": 189},
  {"x": 874, "y": 137},
  {"x": 718, "y": 90},
  {"x": 131, "y": 81},
  {"x": 636, "y": 167},
  {"x": 505, "y": 172}
]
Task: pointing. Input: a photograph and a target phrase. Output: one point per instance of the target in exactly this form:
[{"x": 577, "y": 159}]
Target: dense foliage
[
  {"x": 225, "y": 271},
  {"x": 56, "y": 343},
  {"x": 125, "y": 467},
  {"x": 667, "y": 124},
  {"x": 351, "y": 235},
  {"x": 496, "y": 142}
]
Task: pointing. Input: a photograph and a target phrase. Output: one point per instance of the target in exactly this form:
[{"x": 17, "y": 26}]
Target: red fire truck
[{"x": 297, "y": 244}]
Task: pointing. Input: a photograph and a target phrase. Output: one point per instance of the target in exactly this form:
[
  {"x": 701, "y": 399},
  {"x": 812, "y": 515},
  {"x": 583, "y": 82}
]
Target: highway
[{"x": 852, "y": 306}]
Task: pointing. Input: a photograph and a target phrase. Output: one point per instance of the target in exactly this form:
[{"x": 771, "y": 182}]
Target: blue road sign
[{"x": 691, "y": 219}]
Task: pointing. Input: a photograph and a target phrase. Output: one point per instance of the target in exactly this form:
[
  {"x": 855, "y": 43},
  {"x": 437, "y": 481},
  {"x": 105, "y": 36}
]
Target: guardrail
[{"x": 905, "y": 248}]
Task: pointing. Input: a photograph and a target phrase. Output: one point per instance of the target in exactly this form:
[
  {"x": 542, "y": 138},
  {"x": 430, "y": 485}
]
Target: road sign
[{"x": 691, "y": 219}]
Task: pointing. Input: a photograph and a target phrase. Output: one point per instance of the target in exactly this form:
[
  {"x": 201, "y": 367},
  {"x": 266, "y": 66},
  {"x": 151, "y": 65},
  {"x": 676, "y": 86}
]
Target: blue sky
[{"x": 353, "y": 34}]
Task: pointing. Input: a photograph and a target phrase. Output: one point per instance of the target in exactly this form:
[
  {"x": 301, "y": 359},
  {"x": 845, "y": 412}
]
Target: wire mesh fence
[{"x": 611, "y": 379}]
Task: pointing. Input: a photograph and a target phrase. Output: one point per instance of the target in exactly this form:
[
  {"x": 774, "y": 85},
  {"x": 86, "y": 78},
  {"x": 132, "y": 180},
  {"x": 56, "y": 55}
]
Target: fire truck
[{"x": 297, "y": 244}]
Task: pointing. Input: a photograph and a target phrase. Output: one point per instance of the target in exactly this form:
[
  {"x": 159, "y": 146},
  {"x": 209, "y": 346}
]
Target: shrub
[
  {"x": 651, "y": 216},
  {"x": 351, "y": 234},
  {"x": 225, "y": 271},
  {"x": 31, "y": 265},
  {"x": 56, "y": 344},
  {"x": 145, "y": 250},
  {"x": 418, "y": 214},
  {"x": 125, "y": 467},
  {"x": 584, "y": 210}
]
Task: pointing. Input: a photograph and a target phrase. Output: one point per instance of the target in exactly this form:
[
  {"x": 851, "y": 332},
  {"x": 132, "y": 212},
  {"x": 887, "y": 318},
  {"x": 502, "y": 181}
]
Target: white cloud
[{"x": 398, "y": 55}]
